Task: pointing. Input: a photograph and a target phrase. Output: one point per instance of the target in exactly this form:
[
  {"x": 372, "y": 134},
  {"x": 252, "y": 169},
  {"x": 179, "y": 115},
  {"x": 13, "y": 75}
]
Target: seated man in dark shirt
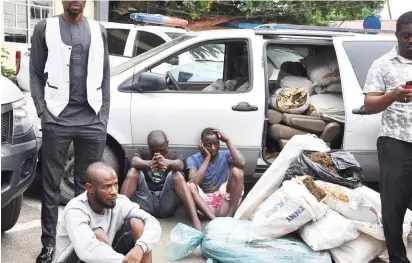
[{"x": 156, "y": 182}]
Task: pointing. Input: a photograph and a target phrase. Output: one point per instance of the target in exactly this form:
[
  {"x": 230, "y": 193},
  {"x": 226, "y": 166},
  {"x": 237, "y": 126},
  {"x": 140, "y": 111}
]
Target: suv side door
[
  {"x": 355, "y": 57},
  {"x": 183, "y": 114}
]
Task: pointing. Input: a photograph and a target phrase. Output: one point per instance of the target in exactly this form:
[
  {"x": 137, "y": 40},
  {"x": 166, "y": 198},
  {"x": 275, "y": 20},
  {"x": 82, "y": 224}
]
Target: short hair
[
  {"x": 207, "y": 132},
  {"x": 92, "y": 172},
  {"x": 156, "y": 135},
  {"x": 404, "y": 19}
]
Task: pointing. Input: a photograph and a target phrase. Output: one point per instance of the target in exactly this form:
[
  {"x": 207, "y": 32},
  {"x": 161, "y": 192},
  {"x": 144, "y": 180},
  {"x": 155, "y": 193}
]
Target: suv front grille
[{"x": 6, "y": 121}]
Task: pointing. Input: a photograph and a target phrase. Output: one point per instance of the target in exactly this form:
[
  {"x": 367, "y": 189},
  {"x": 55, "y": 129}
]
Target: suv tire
[
  {"x": 67, "y": 183},
  {"x": 10, "y": 213}
]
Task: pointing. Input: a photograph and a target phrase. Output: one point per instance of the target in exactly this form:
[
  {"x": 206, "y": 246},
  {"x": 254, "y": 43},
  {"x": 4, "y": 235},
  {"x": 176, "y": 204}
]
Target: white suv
[{"x": 145, "y": 97}]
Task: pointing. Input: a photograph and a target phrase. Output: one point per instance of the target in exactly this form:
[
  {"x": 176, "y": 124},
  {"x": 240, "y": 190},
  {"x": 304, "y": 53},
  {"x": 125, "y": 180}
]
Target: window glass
[
  {"x": 116, "y": 40},
  {"x": 363, "y": 53},
  {"x": 146, "y": 41}
]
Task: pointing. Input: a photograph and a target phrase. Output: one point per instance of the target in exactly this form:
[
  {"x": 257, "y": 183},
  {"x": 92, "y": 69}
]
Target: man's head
[
  {"x": 157, "y": 142},
  {"x": 210, "y": 141},
  {"x": 102, "y": 184},
  {"x": 404, "y": 34},
  {"x": 73, "y": 8}
]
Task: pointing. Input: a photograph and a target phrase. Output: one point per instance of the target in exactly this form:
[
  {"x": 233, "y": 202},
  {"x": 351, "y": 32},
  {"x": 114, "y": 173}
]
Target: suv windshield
[{"x": 136, "y": 60}]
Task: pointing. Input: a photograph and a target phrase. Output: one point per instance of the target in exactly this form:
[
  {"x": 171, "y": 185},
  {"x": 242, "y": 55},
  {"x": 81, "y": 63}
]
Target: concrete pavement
[{"x": 22, "y": 242}]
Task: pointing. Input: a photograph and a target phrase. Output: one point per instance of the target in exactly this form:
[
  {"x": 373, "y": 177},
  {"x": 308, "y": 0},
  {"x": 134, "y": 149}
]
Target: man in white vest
[{"x": 70, "y": 85}]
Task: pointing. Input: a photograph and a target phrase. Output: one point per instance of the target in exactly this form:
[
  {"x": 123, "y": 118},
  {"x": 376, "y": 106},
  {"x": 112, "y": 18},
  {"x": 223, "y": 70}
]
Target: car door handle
[
  {"x": 360, "y": 111},
  {"x": 244, "y": 106}
]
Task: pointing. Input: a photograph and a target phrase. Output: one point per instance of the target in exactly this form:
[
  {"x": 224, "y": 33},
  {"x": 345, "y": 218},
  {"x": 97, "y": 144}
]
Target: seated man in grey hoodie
[{"x": 102, "y": 226}]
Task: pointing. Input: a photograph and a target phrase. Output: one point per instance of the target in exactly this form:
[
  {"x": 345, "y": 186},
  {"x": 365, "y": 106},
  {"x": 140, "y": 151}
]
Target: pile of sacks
[
  {"x": 294, "y": 220},
  {"x": 326, "y": 216},
  {"x": 319, "y": 94}
]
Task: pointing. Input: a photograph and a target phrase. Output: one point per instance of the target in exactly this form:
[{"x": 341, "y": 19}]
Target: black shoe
[{"x": 45, "y": 255}]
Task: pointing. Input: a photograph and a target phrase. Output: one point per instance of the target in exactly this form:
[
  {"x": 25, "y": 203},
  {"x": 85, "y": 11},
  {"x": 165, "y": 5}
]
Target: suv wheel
[
  {"x": 10, "y": 213},
  {"x": 67, "y": 183}
]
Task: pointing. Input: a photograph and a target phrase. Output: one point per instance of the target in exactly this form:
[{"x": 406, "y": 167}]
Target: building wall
[{"x": 12, "y": 47}]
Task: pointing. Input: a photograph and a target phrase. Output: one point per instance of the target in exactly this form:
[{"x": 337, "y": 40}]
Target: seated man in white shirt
[{"x": 102, "y": 226}]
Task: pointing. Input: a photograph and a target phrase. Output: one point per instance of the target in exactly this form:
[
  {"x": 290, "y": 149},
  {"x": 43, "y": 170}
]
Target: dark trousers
[
  {"x": 395, "y": 160},
  {"x": 123, "y": 242},
  {"x": 89, "y": 142}
]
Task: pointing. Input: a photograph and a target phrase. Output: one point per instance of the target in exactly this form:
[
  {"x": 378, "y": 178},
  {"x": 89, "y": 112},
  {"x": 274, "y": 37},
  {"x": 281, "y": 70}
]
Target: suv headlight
[{"x": 21, "y": 121}]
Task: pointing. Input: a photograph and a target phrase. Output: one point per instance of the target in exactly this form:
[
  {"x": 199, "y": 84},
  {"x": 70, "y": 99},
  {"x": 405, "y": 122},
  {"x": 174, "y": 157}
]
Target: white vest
[{"x": 57, "y": 89}]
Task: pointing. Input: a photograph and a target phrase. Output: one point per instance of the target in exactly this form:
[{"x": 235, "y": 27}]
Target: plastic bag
[
  {"x": 270, "y": 181},
  {"x": 347, "y": 172},
  {"x": 183, "y": 240},
  {"x": 297, "y": 82},
  {"x": 290, "y": 100},
  {"x": 363, "y": 249},
  {"x": 285, "y": 211},
  {"x": 349, "y": 203},
  {"x": 227, "y": 240},
  {"x": 330, "y": 231}
]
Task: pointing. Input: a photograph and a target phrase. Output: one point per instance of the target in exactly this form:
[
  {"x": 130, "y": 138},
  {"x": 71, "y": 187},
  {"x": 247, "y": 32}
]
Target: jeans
[{"x": 159, "y": 204}]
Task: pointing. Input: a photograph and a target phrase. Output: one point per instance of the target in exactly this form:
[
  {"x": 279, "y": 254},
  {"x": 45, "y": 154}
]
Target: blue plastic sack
[{"x": 227, "y": 240}]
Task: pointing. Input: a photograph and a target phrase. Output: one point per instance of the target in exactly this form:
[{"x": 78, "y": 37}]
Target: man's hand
[
  {"x": 160, "y": 162},
  {"x": 101, "y": 236},
  {"x": 41, "y": 116},
  {"x": 205, "y": 151},
  {"x": 400, "y": 94},
  {"x": 134, "y": 256},
  {"x": 221, "y": 135}
]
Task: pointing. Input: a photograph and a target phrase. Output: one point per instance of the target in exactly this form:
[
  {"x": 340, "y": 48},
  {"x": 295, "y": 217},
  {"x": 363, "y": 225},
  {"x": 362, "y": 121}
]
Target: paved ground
[{"x": 22, "y": 242}]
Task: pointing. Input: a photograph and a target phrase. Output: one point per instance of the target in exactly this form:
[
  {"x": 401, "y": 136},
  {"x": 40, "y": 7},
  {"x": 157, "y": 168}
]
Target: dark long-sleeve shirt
[{"x": 78, "y": 111}]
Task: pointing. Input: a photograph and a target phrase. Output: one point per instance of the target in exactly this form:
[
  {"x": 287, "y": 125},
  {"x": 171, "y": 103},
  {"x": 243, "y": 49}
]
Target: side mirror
[
  {"x": 173, "y": 61},
  {"x": 148, "y": 81}
]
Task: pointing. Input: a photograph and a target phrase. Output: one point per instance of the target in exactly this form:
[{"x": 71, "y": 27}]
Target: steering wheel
[{"x": 172, "y": 80}]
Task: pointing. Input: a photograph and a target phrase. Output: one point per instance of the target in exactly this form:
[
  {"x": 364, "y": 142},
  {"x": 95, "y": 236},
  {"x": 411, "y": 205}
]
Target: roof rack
[
  {"x": 322, "y": 28},
  {"x": 156, "y": 19}
]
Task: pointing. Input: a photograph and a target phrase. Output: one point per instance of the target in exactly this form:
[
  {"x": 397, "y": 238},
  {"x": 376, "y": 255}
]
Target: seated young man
[
  {"x": 156, "y": 182},
  {"x": 216, "y": 177},
  {"x": 102, "y": 226}
]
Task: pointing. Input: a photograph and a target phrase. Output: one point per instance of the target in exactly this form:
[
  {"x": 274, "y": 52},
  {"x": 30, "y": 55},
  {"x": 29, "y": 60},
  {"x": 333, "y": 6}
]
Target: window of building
[{"x": 21, "y": 16}]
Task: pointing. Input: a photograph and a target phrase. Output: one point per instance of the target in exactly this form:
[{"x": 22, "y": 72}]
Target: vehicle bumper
[{"x": 18, "y": 167}]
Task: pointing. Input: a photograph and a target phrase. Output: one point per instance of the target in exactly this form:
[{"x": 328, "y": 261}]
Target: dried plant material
[
  {"x": 291, "y": 98},
  {"x": 324, "y": 160},
  {"x": 313, "y": 188},
  {"x": 311, "y": 111},
  {"x": 334, "y": 191}
]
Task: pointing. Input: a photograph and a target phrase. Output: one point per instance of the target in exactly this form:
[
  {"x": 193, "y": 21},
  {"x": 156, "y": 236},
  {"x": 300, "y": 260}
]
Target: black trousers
[
  {"x": 123, "y": 242},
  {"x": 89, "y": 142},
  {"x": 395, "y": 160}
]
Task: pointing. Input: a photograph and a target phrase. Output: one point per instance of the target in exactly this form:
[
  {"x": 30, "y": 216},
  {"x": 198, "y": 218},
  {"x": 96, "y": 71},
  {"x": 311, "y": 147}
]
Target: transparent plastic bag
[
  {"x": 183, "y": 240},
  {"x": 226, "y": 240}
]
